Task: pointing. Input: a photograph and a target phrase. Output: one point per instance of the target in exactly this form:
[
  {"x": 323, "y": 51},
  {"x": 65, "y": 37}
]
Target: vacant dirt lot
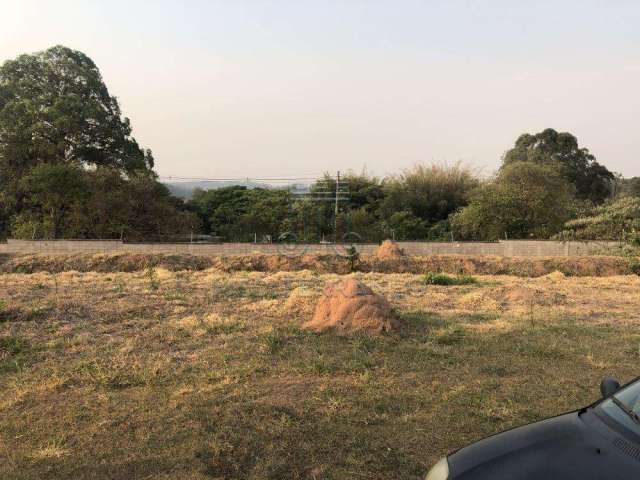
[{"x": 207, "y": 374}]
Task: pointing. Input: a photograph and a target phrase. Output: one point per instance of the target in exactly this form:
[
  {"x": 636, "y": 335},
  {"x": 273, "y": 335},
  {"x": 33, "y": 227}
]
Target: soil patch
[{"x": 388, "y": 250}]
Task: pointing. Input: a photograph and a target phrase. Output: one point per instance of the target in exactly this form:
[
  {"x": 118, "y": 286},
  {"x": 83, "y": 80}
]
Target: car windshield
[{"x": 625, "y": 406}]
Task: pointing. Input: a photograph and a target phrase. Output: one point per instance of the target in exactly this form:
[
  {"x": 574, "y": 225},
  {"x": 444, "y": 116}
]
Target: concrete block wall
[
  {"x": 508, "y": 248},
  {"x": 446, "y": 248},
  {"x": 62, "y": 246}
]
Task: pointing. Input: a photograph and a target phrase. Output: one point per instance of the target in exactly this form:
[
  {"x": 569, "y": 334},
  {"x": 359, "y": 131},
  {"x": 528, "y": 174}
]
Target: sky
[{"x": 294, "y": 88}]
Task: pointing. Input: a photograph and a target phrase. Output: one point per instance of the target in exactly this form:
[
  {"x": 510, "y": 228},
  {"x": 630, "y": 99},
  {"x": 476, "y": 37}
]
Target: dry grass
[
  {"x": 206, "y": 374},
  {"x": 386, "y": 262}
]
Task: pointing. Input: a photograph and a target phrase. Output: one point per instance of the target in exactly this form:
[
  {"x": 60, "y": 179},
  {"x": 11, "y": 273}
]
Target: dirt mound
[
  {"x": 389, "y": 250},
  {"x": 555, "y": 276},
  {"x": 350, "y": 306}
]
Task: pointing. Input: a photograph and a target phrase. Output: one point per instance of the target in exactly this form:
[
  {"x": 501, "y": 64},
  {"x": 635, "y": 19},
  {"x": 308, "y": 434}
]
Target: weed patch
[{"x": 432, "y": 278}]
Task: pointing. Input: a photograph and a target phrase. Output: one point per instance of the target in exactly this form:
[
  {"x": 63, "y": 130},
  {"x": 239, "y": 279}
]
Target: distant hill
[{"x": 185, "y": 189}]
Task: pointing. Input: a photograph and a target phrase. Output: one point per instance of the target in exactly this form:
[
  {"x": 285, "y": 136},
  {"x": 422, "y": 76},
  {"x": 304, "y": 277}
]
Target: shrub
[
  {"x": 353, "y": 257},
  {"x": 152, "y": 276},
  {"x": 12, "y": 345},
  {"x": 432, "y": 278},
  {"x": 634, "y": 266}
]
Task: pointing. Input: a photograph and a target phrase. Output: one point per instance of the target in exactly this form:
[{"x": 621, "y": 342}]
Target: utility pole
[{"x": 336, "y": 213}]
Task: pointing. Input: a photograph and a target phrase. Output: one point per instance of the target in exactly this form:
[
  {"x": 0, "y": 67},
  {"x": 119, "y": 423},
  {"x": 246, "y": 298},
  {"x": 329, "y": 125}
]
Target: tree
[
  {"x": 152, "y": 212},
  {"x": 361, "y": 224},
  {"x": 359, "y": 215},
  {"x": 577, "y": 165},
  {"x": 424, "y": 196},
  {"x": 265, "y": 214},
  {"x": 617, "y": 219},
  {"x": 51, "y": 192},
  {"x": 239, "y": 213},
  {"x": 69, "y": 166},
  {"x": 55, "y": 107},
  {"x": 628, "y": 186},
  {"x": 219, "y": 209},
  {"x": 63, "y": 201},
  {"x": 525, "y": 200},
  {"x": 4, "y": 214}
]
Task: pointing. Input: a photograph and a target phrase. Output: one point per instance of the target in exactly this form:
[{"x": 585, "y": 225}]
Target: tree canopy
[
  {"x": 55, "y": 107},
  {"x": 577, "y": 165},
  {"x": 525, "y": 200},
  {"x": 69, "y": 166}
]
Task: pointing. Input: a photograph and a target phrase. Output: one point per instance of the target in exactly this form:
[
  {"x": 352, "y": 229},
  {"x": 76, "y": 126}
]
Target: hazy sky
[{"x": 293, "y": 88}]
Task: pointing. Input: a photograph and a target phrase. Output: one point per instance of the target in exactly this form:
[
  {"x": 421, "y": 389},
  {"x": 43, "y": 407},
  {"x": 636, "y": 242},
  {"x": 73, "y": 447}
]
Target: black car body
[{"x": 600, "y": 442}]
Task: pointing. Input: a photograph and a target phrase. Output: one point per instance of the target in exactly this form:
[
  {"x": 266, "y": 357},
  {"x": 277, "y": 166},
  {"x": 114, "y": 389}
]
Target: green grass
[
  {"x": 432, "y": 278},
  {"x": 12, "y": 346}
]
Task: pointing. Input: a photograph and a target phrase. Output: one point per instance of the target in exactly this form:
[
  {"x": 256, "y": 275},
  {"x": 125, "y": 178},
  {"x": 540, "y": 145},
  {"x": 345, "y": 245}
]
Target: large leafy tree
[
  {"x": 65, "y": 201},
  {"x": 240, "y": 213},
  {"x": 577, "y": 165},
  {"x": 69, "y": 166},
  {"x": 55, "y": 107},
  {"x": 52, "y": 192},
  {"x": 525, "y": 200}
]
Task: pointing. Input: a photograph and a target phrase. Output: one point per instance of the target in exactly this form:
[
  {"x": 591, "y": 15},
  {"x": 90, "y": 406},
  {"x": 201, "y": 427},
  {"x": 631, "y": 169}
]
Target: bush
[
  {"x": 353, "y": 257},
  {"x": 634, "y": 267},
  {"x": 12, "y": 345},
  {"x": 152, "y": 276},
  {"x": 432, "y": 278}
]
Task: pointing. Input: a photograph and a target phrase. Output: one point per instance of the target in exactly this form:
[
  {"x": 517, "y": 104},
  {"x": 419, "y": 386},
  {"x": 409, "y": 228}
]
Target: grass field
[{"x": 200, "y": 375}]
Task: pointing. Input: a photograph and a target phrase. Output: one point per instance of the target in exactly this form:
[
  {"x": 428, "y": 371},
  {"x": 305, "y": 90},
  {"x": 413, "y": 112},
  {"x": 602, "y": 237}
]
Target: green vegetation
[
  {"x": 560, "y": 151},
  {"x": 70, "y": 168},
  {"x": 152, "y": 278},
  {"x": 12, "y": 345},
  {"x": 618, "y": 219},
  {"x": 524, "y": 200},
  {"x": 432, "y": 278},
  {"x": 353, "y": 257},
  {"x": 537, "y": 193}
]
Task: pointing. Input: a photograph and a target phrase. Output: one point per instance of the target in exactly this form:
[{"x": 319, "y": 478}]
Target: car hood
[{"x": 565, "y": 447}]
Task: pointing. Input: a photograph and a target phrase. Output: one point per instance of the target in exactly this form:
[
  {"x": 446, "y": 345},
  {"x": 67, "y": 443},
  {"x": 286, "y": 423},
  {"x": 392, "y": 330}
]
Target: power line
[{"x": 243, "y": 179}]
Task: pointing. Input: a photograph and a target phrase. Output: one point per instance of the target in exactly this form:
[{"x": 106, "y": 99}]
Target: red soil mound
[
  {"x": 388, "y": 250},
  {"x": 350, "y": 306}
]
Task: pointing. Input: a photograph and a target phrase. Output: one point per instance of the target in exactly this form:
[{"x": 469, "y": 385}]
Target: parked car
[{"x": 599, "y": 442}]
